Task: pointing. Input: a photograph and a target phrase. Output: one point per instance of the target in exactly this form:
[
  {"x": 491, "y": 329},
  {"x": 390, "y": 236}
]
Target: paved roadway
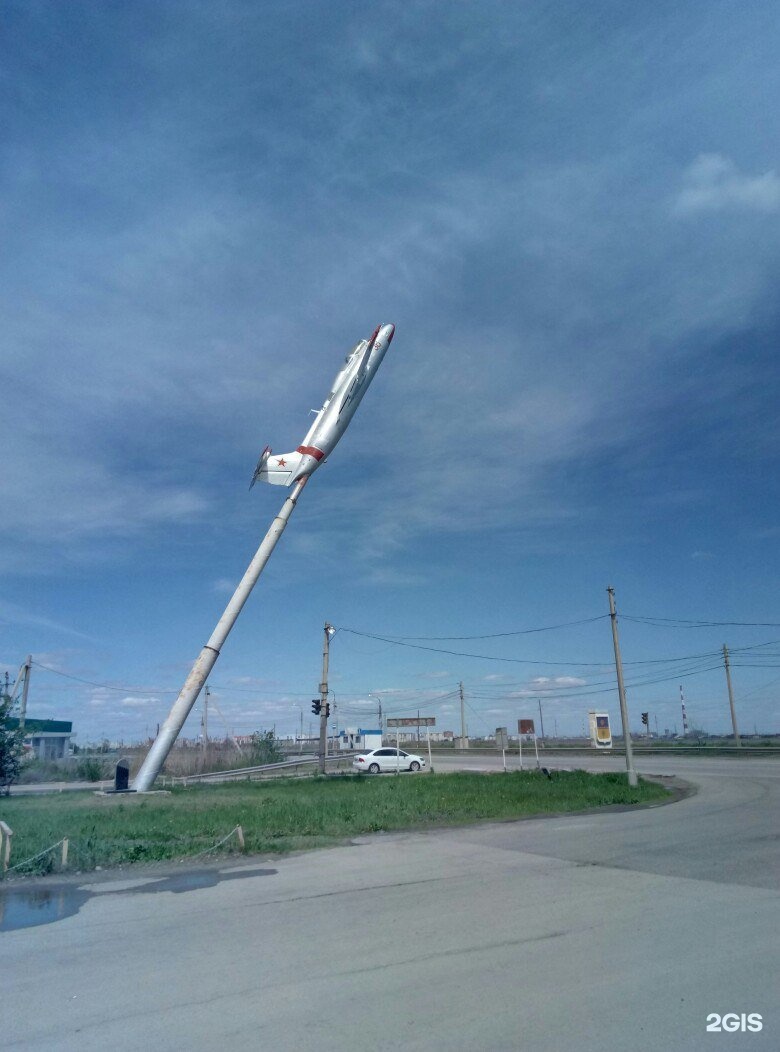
[{"x": 615, "y": 931}]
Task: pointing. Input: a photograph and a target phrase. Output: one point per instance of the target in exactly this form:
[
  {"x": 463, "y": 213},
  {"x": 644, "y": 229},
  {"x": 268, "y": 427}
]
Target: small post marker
[
  {"x": 5, "y": 845},
  {"x": 240, "y": 835},
  {"x": 65, "y": 844}
]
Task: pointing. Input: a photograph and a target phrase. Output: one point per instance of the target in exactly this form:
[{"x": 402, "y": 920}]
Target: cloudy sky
[{"x": 571, "y": 212}]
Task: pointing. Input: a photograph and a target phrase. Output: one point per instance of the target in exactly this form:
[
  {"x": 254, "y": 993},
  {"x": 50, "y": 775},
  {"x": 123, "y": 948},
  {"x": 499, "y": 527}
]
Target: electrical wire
[
  {"x": 460, "y": 653},
  {"x": 665, "y": 622},
  {"x": 104, "y": 686},
  {"x": 491, "y": 635}
]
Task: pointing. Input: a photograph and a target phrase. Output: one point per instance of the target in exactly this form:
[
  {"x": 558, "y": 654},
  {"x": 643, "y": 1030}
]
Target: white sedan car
[{"x": 388, "y": 760}]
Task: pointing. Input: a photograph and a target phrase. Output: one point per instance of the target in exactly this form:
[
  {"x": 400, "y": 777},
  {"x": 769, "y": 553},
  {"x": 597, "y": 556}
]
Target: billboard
[
  {"x": 600, "y": 732},
  {"x": 502, "y": 738},
  {"x": 412, "y": 721},
  {"x": 525, "y": 727}
]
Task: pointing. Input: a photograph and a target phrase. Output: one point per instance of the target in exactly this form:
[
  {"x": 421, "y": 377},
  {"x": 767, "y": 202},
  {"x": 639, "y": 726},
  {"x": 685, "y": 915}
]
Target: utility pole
[
  {"x": 731, "y": 696},
  {"x": 207, "y": 658},
  {"x": 464, "y": 742},
  {"x": 632, "y": 779},
  {"x": 323, "y": 751},
  {"x": 25, "y": 687},
  {"x": 371, "y": 694},
  {"x": 541, "y": 718}
]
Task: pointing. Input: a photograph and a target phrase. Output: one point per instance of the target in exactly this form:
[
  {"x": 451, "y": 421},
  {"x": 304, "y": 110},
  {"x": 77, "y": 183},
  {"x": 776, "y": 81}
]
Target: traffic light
[
  {"x": 645, "y": 718},
  {"x": 327, "y": 709},
  {"x": 316, "y": 706}
]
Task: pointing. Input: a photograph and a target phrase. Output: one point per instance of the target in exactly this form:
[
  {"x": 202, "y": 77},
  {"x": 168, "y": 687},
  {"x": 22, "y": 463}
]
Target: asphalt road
[{"x": 611, "y": 931}]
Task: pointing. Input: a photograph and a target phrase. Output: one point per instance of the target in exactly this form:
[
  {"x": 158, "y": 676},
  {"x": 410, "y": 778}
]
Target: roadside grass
[{"x": 289, "y": 814}]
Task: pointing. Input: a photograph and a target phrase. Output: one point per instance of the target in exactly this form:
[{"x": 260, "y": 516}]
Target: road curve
[{"x": 609, "y": 931}]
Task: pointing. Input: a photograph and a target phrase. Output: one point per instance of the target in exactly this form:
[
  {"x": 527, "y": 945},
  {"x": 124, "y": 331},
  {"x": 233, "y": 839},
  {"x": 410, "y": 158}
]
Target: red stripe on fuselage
[
  {"x": 374, "y": 336},
  {"x": 311, "y": 451}
]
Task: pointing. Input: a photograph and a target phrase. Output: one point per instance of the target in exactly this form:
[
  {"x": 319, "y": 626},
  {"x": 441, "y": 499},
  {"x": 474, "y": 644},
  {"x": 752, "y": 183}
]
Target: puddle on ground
[{"x": 28, "y": 907}]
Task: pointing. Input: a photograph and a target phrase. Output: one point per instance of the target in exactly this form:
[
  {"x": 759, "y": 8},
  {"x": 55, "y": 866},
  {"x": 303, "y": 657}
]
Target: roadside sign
[
  {"x": 412, "y": 721},
  {"x": 600, "y": 732},
  {"x": 525, "y": 727},
  {"x": 502, "y": 738}
]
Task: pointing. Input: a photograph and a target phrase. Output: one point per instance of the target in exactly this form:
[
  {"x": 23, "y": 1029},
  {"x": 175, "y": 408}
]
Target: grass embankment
[{"x": 287, "y": 814}]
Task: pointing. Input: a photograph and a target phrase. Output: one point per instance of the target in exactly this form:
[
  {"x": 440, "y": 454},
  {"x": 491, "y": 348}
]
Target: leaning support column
[{"x": 171, "y": 729}]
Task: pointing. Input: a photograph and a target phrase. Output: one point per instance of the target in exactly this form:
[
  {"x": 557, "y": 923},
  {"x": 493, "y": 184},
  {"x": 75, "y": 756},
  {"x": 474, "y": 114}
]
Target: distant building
[
  {"x": 48, "y": 739},
  {"x": 407, "y": 736},
  {"x": 361, "y": 739}
]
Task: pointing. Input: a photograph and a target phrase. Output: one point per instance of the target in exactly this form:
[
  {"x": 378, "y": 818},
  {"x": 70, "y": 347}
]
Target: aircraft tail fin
[{"x": 276, "y": 469}]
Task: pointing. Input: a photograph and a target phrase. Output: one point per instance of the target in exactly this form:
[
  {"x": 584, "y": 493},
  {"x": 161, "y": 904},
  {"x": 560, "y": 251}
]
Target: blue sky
[{"x": 572, "y": 215}]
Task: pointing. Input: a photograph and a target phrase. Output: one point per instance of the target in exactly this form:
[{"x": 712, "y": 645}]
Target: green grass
[{"x": 288, "y": 814}]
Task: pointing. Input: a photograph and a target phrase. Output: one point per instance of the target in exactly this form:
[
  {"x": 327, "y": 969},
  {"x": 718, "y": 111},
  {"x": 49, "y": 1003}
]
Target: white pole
[
  {"x": 503, "y": 757},
  {"x": 536, "y": 750},
  {"x": 520, "y": 749},
  {"x": 397, "y": 751},
  {"x": 430, "y": 761},
  {"x": 206, "y": 660}
]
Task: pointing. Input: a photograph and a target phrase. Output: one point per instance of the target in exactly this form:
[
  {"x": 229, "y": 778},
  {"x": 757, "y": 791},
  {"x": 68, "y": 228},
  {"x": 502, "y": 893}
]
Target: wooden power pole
[
  {"x": 737, "y": 742},
  {"x": 632, "y": 779}
]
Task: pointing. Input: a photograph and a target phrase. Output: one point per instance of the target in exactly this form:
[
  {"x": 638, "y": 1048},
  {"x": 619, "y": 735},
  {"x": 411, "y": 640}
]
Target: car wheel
[
  {"x": 414, "y": 766},
  {"x": 373, "y": 768}
]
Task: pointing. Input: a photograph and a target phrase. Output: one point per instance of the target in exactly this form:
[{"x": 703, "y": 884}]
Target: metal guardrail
[
  {"x": 751, "y": 752},
  {"x": 304, "y": 766},
  {"x": 268, "y": 770}
]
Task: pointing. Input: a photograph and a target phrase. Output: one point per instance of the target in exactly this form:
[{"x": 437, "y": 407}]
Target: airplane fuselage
[{"x": 331, "y": 421}]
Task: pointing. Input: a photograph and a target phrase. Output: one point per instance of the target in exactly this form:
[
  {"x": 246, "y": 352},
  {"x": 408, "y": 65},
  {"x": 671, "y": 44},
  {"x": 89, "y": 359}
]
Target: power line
[
  {"x": 460, "y": 653},
  {"x": 491, "y": 635},
  {"x": 663, "y": 622},
  {"x": 105, "y": 686}
]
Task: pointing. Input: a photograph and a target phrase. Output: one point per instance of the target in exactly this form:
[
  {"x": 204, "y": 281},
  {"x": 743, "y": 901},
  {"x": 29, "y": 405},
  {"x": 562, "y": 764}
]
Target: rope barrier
[
  {"x": 41, "y": 854},
  {"x": 238, "y": 831}
]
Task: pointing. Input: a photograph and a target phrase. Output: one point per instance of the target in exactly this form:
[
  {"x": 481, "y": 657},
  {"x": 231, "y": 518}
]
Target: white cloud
[
  {"x": 713, "y": 183},
  {"x": 138, "y": 703},
  {"x": 547, "y": 684}
]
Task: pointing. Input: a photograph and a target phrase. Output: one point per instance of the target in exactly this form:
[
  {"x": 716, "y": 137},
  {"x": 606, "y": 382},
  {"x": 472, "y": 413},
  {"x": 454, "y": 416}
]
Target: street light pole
[{"x": 323, "y": 751}]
